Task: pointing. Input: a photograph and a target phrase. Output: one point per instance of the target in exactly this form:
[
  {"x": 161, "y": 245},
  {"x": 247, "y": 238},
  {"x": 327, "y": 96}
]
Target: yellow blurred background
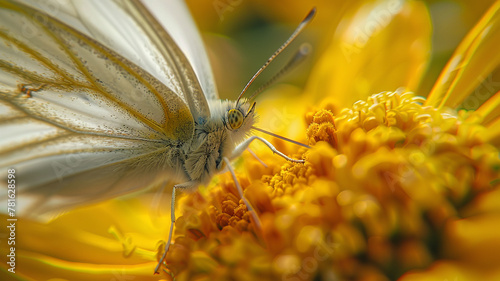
[{"x": 240, "y": 35}]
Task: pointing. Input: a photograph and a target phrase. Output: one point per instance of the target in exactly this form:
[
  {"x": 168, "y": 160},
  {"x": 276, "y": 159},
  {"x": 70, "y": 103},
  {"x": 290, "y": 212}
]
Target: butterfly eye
[{"x": 234, "y": 118}]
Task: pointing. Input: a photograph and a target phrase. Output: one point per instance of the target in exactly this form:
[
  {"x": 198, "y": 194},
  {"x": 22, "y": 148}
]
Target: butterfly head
[
  {"x": 240, "y": 117},
  {"x": 236, "y": 116}
]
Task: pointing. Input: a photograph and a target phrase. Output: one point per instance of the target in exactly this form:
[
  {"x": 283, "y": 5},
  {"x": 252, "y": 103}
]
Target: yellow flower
[
  {"x": 395, "y": 186},
  {"x": 381, "y": 188}
]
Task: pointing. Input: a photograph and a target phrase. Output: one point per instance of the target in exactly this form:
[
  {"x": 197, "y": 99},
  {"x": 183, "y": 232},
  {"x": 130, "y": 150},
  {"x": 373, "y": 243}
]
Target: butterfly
[{"x": 103, "y": 98}]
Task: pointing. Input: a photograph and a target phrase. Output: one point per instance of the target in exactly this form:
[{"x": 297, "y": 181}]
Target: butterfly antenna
[
  {"x": 280, "y": 137},
  {"x": 297, "y": 31},
  {"x": 297, "y": 59}
]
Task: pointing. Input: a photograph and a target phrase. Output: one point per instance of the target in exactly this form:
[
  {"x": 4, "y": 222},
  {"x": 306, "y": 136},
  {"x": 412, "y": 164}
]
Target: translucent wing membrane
[
  {"x": 72, "y": 170},
  {"x": 129, "y": 29},
  {"x": 79, "y": 122},
  {"x": 81, "y": 80},
  {"x": 180, "y": 26}
]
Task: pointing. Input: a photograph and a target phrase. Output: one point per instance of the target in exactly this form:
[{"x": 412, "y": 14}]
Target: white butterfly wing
[
  {"x": 96, "y": 125},
  {"x": 130, "y": 29},
  {"x": 180, "y": 26}
]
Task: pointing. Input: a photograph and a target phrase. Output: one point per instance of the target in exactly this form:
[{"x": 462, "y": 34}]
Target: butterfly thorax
[{"x": 214, "y": 138}]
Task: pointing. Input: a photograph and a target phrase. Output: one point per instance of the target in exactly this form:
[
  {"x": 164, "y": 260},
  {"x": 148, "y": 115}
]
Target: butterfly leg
[
  {"x": 240, "y": 191},
  {"x": 242, "y": 146},
  {"x": 185, "y": 185},
  {"x": 256, "y": 157}
]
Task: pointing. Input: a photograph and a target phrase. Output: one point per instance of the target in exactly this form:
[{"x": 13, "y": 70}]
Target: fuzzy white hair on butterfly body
[{"x": 215, "y": 138}]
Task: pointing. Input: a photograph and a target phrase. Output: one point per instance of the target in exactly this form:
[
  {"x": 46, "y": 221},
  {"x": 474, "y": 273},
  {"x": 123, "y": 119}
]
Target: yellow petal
[
  {"x": 115, "y": 239},
  {"x": 32, "y": 266},
  {"x": 492, "y": 134},
  {"x": 488, "y": 111},
  {"x": 475, "y": 58},
  {"x": 382, "y": 47}
]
